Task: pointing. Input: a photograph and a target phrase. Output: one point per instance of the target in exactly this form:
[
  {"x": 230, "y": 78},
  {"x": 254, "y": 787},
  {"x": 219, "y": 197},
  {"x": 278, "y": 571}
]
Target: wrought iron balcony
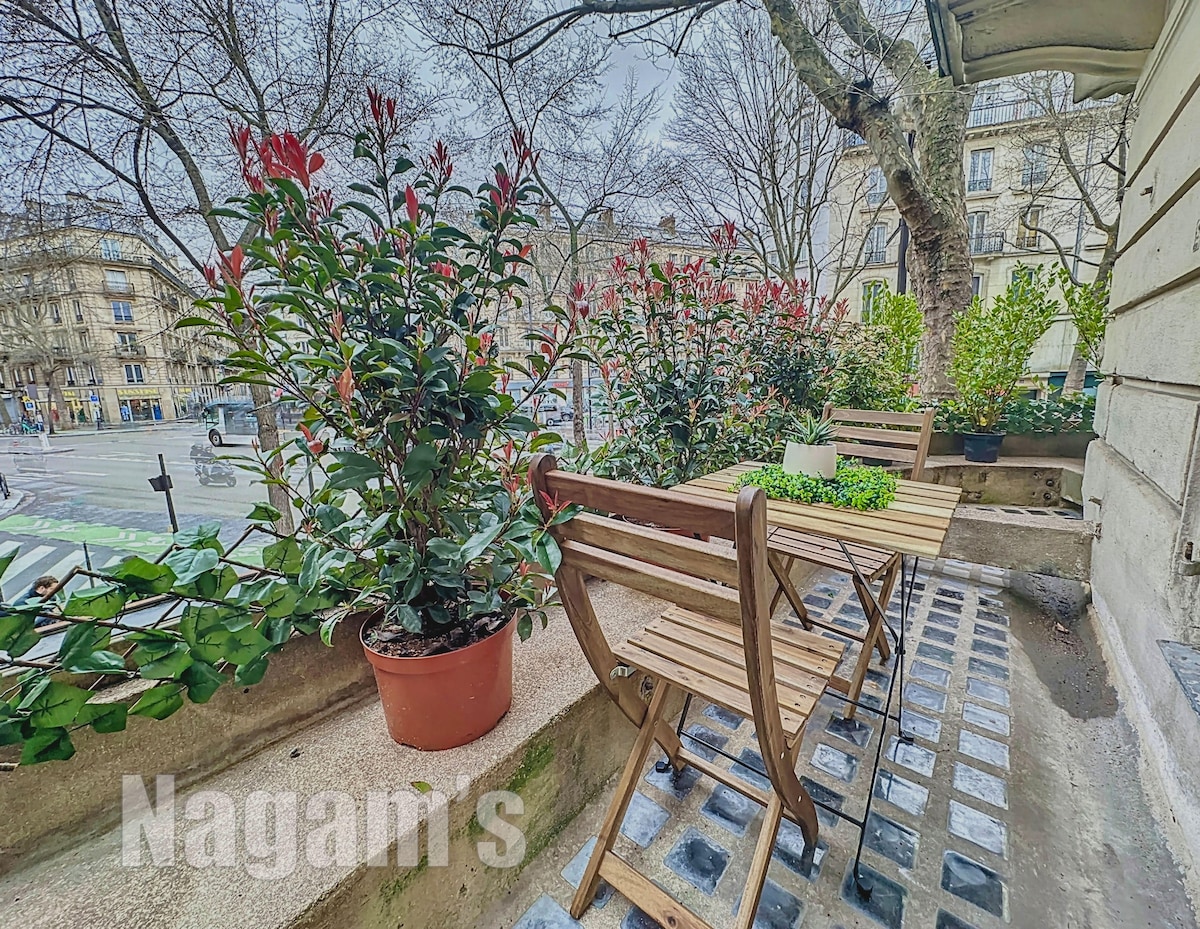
[
  {"x": 990, "y": 243},
  {"x": 875, "y": 256},
  {"x": 130, "y": 350},
  {"x": 979, "y": 183},
  {"x": 118, "y": 287}
]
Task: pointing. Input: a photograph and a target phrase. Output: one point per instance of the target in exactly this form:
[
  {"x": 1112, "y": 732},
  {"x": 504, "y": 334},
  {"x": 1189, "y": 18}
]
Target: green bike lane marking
[{"x": 139, "y": 541}]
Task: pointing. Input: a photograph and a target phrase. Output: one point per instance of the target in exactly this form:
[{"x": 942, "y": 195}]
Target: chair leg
[
  {"x": 783, "y": 578},
  {"x": 642, "y": 745},
  {"x": 876, "y": 639},
  {"x": 759, "y": 863}
]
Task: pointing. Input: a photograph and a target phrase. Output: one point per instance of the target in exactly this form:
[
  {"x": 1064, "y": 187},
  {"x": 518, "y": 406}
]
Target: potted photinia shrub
[
  {"x": 377, "y": 314},
  {"x": 992, "y": 345},
  {"x": 812, "y": 452}
]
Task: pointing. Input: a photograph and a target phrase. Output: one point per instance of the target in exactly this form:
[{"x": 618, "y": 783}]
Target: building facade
[
  {"x": 87, "y": 315},
  {"x": 1022, "y": 207}
]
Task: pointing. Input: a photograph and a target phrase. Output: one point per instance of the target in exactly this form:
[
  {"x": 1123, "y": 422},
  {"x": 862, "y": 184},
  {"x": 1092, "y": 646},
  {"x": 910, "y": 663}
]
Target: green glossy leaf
[
  {"x": 189, "y": 563},
  {"x": 353, "y": 471},
  {"x": 478, "y": 543},
  {"x": 420, "y": 461},
  {"x": 202, "y": 680},
  {"x": 104, "y": 717},
  {"x": 47, "y": 745},
  {"x": 8, "y": 551},
  {"x": 245, "y": 645},
  {"x": 310, "y": 573},
  {"x": 80, "y": 641},
  {"x": 327, "y": 627},
  {"x": 143, "y": 577},
  {"x": 57, "y": 705},
  {"x": 159, "y": 701},
  {"x": 250, "y": 673},
  {"x": 284, "y": 556},
  {"x": 102, "y": 602},
  {"x": 204, "y": 535},
  {"x": 162, "y": 661},
  {"x": 264, "y": 513},
  {"x": 17, "y": 631}
]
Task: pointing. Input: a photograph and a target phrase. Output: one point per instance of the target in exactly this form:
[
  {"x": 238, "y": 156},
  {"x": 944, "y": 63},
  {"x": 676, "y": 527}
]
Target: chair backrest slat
[
  {"x": 684, "y": 590},
  {"x": 883, "y": 435},
  {"x": 646, "y": 504},
  {"x": 689, "y": 556}
]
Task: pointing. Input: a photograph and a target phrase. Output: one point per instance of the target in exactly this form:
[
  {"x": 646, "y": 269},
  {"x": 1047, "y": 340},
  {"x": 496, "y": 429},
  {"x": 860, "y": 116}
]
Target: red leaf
[
  {"x": 410, "y": 199},
  {"x": 315, "y": 162},
  {"x": 345, "y": 385}
]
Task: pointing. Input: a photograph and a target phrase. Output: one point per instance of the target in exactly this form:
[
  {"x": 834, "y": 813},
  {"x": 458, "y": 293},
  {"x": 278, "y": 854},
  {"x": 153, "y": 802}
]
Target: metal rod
[{"x": 162, "y": 469}]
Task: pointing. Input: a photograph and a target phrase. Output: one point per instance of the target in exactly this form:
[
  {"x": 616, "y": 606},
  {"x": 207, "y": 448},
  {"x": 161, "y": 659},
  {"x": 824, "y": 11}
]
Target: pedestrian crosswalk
[{"x": 57, "y": 560}]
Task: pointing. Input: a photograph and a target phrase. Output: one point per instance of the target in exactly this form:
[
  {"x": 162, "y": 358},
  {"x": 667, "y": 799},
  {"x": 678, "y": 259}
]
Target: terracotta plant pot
[{"x": 447, "y": 700}]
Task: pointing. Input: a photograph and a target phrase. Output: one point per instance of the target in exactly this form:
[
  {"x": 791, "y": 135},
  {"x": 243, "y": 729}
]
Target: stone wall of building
[{"x": 1142, "y": 481}]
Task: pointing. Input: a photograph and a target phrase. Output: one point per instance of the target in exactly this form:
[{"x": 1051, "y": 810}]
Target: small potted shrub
[
  {"x": 992, "y": 345},
  {"x": 378, "y": 314},
  {"x": 812, "y": 453}
]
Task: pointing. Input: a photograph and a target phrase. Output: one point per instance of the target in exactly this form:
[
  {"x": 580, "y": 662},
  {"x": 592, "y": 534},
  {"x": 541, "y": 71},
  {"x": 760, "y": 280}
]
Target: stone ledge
[
  {"x": 1019, "y": 481},
  {"x": 46, "y": 807},
  {"x": 1036, "y": 544},
  {"x": 556, "y": 747}
]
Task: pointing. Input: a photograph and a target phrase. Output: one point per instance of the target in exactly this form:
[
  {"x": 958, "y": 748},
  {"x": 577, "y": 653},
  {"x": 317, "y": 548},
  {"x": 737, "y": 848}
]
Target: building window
[
  {"x": 92, "y": 379},
  {"x": 980, "y": 176},
  {"x": 875, "y": 247},
  {"x": 876, "y": 187},
  {"x": 134, "y": 375},
  {"x": 127, "y": 340},
  {"x": 55, "y": 313},
  {"x": 871, "y": 292},
  {"x": 72, "y": 378},
  {"x": 1036, "y": 167},
  {"x": 1027, "y": 226},
  {"x": 976, "y": 285},
  {"x": 78, "y": 311},
  {"x": 122, "y": 311},
  {"x": 1021, "y": 277},
  {"x": 70, "y": 278},
  {"x": 110, "y": 249},
  {"x": 980, "y": 241},
  {"x": 117, "y": 282}
]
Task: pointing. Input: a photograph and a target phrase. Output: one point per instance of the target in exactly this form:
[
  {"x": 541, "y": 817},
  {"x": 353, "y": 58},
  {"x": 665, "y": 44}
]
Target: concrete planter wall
[{"x": 1022, "y": 445}]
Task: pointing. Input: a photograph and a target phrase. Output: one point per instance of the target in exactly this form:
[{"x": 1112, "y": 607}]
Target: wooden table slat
[{"x": 915, "y": 523}]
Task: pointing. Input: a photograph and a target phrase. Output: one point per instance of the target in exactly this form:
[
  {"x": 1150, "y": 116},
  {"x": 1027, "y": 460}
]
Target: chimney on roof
[
  {"x": 543, "y": 212},
  {"x": 667, "y": 225},
  {"x": 608, "y": 218}
]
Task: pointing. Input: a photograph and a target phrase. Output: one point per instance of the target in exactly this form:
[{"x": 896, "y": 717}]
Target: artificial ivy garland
[{"x": 856, "y": 486}]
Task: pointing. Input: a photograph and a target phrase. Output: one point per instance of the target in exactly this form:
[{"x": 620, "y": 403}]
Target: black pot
[{"x": 982, "y": 446}]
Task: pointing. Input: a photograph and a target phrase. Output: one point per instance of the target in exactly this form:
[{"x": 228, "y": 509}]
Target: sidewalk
[
  {"x": 15, "y": 499},
  {"x": 1020, "y": 803}
]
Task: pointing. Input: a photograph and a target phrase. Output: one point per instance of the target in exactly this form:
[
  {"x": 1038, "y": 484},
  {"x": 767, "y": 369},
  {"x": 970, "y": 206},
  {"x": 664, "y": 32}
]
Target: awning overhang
[{"x": 1105, "y": 43}]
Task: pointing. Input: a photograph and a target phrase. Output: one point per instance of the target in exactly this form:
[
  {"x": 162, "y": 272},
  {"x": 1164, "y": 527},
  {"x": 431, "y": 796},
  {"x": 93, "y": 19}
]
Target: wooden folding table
[{"x": 914, "y": 525}]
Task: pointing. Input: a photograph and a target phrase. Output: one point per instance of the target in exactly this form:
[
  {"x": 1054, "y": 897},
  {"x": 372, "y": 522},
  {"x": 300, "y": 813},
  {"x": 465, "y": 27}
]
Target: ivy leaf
[
  {"x": 202, "y": 680},
  {"x": 159, "y": 701},
  {"x": 144, "y": 577},
  {"x": 264, "y": 513},
  {"x": 283, "y": 556},
  {"x": 104, "y": 717},
  {"x": 47, "y": 745},
  {"x": 102, "y": 602},
  {"x": 57, "y": 705}
]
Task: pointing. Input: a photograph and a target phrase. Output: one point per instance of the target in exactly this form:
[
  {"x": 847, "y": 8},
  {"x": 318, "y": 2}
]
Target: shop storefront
[
  {"x": 80, "y": 408},
  {"x": 139, "y": 405}
]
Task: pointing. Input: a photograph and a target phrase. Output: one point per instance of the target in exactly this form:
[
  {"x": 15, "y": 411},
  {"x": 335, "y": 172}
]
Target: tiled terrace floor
[{"x": 1019, "y": 803}]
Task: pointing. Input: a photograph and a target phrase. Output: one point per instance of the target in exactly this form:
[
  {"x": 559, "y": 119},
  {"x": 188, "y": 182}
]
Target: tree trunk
[
  {"x": 268, "y": 439},
  {"x": 941, "y": 277},
  {"x": 1076, "y": 372},
  {"x": 577, "y": 388}
]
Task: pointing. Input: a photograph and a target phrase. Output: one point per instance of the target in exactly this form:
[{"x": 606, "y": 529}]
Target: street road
[{"x": 98, "y": 493}]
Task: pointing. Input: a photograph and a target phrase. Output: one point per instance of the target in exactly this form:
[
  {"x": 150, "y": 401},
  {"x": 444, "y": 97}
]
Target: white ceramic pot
[{"x": 810, "y": 460}]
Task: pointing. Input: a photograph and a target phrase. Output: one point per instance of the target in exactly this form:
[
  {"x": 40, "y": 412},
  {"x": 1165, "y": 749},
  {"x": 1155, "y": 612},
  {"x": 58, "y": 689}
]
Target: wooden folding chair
[
  {"x": 898, "y": 440},
  {"x": 716, "y": 641}
]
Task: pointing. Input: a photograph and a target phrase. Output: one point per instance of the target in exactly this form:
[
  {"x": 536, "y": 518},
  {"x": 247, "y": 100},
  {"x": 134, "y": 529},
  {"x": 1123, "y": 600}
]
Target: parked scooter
[{"x": 211, "y": 470}]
